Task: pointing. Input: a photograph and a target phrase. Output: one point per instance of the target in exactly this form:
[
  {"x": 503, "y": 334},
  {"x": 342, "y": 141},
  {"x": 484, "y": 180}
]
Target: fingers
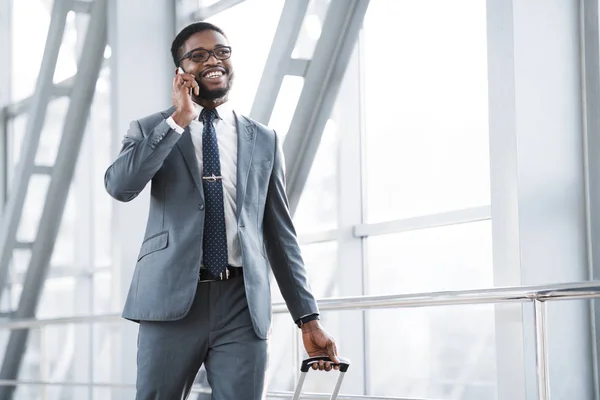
[
  {"x": 177, "y": 81},
  {"x": 188, "y": 81},
  {"x": 179, "y": 84},
  {"x": 332, "y": 351},
  {"x": 322, "y": 366},
  {"x": 325, "y": 366}
]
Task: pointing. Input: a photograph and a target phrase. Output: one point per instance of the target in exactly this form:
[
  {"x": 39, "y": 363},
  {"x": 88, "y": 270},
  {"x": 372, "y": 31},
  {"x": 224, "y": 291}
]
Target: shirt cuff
[{"x": 171, "y": 122}]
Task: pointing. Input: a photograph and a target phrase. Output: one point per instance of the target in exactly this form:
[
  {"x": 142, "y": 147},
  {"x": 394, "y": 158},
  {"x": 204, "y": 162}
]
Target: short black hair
[{"x": 184, "y": 35}]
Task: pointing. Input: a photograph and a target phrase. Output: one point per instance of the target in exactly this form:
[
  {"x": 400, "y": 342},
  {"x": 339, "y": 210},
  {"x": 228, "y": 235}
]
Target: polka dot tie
[{"x": 215, "y": 236}]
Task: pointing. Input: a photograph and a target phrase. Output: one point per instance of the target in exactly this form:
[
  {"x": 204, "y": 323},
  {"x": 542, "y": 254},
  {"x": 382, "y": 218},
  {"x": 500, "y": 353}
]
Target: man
[{"x": 200, "y": 290}]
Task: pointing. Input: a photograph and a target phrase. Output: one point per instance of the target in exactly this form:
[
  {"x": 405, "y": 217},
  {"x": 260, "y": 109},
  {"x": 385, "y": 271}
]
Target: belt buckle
[
  {"x": 218, "y": 278},
  {"x": 226, "y": 275}
]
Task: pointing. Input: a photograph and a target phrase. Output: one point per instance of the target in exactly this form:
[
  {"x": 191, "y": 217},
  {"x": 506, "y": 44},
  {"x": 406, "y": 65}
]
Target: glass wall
[
  {"x": 397, "y": 200},
  {"x": 422, "y": 129}
]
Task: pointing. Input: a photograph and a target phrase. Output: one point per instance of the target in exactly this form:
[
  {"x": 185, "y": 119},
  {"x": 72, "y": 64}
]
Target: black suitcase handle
[{"x": 344, "y": 363}]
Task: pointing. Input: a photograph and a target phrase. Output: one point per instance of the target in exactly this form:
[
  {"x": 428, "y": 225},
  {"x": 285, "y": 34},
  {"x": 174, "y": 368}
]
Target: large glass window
[
  {"x": 425, "y": 99},
  {"x": 444, "y": 351},
  {"x": 452, "y": 257},
  {"x": 426, "y": 152},
  {"x": 318, "y": 206},
  {"x": 432, "y": 353},
  {"x": 30, "y": 22}
]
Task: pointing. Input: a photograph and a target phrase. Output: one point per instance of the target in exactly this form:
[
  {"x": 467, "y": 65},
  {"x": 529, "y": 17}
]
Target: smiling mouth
[{"x": 213, "y": 74}]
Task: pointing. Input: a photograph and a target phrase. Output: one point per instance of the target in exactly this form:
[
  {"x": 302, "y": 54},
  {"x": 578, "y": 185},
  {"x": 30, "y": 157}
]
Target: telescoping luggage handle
[{"x": 344, "y": 364}]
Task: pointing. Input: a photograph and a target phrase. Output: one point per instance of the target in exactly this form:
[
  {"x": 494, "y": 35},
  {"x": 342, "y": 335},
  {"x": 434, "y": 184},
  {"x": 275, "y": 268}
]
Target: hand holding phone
[
  {"x": 181, "y": 71},
  {"x": 183, "y": 87}
]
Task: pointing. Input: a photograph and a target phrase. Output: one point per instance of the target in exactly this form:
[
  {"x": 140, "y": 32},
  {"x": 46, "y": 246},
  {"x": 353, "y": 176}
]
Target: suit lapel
[
  {"x": 186, "y": 146},
  {"x": 246, "y": 141}
]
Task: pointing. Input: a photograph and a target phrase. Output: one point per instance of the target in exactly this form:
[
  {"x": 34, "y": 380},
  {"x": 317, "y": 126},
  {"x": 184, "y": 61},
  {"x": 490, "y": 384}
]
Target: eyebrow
[{"x": 202, "y": 48}]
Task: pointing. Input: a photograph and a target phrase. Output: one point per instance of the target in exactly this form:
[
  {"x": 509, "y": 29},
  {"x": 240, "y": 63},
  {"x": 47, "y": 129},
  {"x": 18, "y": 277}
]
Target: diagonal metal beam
[
  {"x": 11, "y": 216},
  {"x": 214, "y": 9},
  {"x": 298, "y": 67},
  {"x": 62, "y": 88},
  {"x": 81, "y": 6},
  {"x": 22, "y": 106},
  {"x": 62, "y": 174},
  {"x": 279, "y": 59},
  {"x": 321, "y": 85}
]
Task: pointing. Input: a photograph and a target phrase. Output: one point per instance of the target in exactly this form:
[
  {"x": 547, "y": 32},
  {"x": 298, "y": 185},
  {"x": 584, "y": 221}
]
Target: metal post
[
  {"x": 350, "y": 277},
  {"x": 4, "y": 160},
  {"x": 541, "y": 350},
  {"x": 62, "y": 174},
  {"x": 323, "y": 79},
  {"x": 590, "y": 52},
  {"x": 5, "y": 94},
  {"x": 84, "y": 256}
]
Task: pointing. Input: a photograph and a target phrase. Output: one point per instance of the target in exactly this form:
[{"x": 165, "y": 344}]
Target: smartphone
[{"x": 181, "y": 71}]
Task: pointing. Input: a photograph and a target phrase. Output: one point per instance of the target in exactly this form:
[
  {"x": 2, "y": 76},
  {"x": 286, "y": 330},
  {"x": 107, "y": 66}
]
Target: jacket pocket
[{"x": 154, "y": 243}]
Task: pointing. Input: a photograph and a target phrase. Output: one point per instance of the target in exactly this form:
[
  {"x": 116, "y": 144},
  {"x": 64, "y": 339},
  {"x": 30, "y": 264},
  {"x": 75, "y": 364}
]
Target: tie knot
[{"x": 208, "y": 115}]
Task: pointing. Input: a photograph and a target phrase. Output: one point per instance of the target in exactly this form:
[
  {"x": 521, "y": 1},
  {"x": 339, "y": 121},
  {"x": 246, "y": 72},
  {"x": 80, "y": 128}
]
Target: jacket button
[{"x": 200, "y": 207}]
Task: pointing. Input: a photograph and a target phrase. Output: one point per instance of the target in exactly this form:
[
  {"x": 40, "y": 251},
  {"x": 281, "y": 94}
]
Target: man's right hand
[{"x": 185, "y": 110}]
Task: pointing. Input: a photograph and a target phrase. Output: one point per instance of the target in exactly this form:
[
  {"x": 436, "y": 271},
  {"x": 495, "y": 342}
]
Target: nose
[{"x": 211, "y": 56}]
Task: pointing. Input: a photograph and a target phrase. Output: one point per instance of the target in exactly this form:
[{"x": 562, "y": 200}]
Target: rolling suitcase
[{"x": 344, "y": 364}]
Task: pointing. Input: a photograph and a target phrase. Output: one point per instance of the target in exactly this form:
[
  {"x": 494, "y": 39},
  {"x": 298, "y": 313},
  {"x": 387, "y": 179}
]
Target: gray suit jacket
[{"x": 165, "y": 279}]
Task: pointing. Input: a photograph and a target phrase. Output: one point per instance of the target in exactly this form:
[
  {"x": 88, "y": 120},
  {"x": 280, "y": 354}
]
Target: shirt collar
[{"x": 225, "y": 112}]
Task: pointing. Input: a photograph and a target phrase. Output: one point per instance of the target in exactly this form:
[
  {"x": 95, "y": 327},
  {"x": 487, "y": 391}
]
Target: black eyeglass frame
[{"x": 210, "y": 53}]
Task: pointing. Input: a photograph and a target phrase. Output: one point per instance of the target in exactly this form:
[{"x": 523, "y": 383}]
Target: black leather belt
[{"x": 230, "y": 272}]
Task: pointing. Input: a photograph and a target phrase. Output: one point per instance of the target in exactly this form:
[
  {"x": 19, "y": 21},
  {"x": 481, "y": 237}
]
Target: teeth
[{"x": 214, "y": 74}]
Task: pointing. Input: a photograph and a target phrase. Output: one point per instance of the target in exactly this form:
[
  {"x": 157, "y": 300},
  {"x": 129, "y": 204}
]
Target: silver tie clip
[{"x": 212, "y": 178}]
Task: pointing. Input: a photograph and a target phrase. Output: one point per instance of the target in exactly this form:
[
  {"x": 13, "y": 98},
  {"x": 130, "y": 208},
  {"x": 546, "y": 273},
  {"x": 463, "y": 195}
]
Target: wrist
[
  {"x": 314, "y": 318},
  {"x": 182, "y": 119},
  {"x": 310, "y": 326}
]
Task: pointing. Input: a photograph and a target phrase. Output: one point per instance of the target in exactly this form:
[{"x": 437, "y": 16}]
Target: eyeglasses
[{"x": 201, "y": 55}]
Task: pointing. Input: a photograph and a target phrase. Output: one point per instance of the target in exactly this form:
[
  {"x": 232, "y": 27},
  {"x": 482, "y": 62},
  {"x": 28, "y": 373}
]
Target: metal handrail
[
  {"x": 539, "y": 295},
  {"x": 565, "y": 291}
]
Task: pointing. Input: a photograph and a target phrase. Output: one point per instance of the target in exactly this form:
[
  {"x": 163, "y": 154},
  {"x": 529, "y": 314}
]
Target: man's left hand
[{"x": 318, "y": 342}]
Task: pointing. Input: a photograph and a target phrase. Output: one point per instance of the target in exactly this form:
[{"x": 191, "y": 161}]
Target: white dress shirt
[{"x": 226, "y": 130}]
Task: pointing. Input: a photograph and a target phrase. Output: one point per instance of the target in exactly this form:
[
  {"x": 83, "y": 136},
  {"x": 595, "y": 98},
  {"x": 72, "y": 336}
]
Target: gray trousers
[{"x": 217, "y": 332}]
